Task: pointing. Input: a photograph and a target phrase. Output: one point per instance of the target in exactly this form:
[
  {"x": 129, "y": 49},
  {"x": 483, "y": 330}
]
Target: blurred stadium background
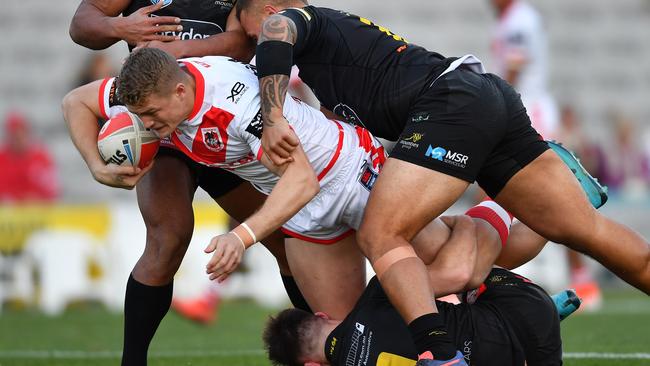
[{"x": 64, "y": 262}]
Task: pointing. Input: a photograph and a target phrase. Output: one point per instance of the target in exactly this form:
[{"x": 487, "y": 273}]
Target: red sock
[{"x": 495, "y": 215}]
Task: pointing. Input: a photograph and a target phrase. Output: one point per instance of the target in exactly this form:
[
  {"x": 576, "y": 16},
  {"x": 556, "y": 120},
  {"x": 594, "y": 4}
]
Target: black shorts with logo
[
  {"x": 471, "y": 126},
  {"x": 216, "y": 182}
]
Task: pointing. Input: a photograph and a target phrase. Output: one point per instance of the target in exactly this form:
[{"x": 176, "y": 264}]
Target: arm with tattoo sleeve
[{"x": 274, "y": 64}]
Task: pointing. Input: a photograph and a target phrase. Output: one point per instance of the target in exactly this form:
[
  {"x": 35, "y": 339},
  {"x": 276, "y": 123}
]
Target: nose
[{"x": 148, "y": 122}]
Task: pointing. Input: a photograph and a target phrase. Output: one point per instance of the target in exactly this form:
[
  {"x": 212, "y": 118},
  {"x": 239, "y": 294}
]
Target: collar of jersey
[{"x": 200, "y": 89}]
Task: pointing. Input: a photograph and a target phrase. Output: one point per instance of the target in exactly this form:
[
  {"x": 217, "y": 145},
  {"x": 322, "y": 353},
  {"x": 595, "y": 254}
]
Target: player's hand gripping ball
[{"x": 123, "y": 140}]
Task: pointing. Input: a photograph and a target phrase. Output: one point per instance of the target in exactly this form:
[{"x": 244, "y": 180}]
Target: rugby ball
[{"x": 123, "y": 140}]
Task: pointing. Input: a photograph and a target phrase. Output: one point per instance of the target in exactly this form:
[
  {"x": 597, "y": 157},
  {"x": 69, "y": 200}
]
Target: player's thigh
[
  {"x": 546, "y": 196},
  {"x": 330, "y": 277},
  {"x": 165, "y": 202},
  {"x": 405, "y": 198}
]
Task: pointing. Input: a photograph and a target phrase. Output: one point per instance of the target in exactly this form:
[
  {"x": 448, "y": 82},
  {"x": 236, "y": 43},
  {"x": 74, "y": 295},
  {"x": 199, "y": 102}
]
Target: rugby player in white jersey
[
  {"x": 520, "y": 54},
  {"x": 209, "y": 109}
]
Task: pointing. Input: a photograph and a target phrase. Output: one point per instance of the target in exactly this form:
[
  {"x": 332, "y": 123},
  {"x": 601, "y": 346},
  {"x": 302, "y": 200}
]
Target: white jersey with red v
[{"x": 225, "y": 125}]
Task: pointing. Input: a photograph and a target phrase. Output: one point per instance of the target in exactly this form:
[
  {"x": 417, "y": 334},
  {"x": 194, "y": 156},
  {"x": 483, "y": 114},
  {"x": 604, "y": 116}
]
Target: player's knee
[
  {"x": 163, "y": 254},
  {"x": 371, "y": 243}
]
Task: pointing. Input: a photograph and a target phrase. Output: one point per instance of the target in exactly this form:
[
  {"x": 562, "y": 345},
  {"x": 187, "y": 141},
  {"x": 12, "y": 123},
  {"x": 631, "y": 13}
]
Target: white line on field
[
  {"x": 71, "y": 354},
  {"x": 617, "y": 356}
]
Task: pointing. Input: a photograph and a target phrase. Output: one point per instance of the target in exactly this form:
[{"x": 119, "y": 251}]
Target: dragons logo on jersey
[
  {"x": 349, "y": 114},
  {"x": 212, "y": 139}
]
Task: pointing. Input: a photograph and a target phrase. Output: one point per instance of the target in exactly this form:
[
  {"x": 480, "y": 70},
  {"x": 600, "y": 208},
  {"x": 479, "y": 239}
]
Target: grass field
[{"x": 619, "y": 334}]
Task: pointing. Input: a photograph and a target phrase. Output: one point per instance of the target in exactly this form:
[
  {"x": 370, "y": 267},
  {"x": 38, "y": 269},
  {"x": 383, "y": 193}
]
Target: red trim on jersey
[
  {"x": 317, "y": 241},
  {"x": 258, "y": 156},
  {"x": 200, "y": 88},
  {"x": 335, "y": 157},
  {"x": 102, "y": 92}
]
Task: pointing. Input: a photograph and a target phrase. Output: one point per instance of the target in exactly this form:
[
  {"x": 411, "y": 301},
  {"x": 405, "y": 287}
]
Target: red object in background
[{"x": 27, "y": 172}]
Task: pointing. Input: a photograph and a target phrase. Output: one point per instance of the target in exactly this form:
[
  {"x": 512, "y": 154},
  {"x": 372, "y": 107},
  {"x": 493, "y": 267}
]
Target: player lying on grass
[
  {"x": 209, "y": 109},
  {"x": 507, "y": 321}
]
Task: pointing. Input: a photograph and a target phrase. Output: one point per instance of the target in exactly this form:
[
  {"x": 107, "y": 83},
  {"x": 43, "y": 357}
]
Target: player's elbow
[
  {"x": 81, "y": 36},
  {"x": 310, "y": 182},
  {"x": 68, "y": 101}
]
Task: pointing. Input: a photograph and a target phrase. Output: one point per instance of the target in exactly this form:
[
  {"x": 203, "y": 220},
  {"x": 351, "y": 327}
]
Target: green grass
[{"x": 621, "y": 327}]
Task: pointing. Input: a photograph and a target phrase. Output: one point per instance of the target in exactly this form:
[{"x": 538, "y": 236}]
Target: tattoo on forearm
[
  {"x": 273, "y": 90},
  {"x": 278, "y": 28}
]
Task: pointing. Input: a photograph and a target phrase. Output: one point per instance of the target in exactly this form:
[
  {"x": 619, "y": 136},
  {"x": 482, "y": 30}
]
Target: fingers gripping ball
[{"x": 123, "y": 140}]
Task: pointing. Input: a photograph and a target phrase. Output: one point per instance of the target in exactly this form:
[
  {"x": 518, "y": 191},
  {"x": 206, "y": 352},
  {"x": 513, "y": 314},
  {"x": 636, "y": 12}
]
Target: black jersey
[
  {"x": 199, "y": 18},
  {"x": 360, "y": 70},
  {"x": 492, "y": 331}
]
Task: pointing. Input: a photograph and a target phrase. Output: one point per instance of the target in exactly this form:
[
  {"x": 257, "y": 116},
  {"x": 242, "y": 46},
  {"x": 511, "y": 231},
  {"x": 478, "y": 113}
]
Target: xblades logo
[{"x": 236, "y": 90}]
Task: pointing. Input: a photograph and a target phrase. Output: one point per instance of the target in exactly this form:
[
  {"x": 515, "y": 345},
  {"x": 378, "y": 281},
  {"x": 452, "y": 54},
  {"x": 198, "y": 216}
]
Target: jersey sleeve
[
  {"x": 109, "y": 104},
  {"x": 251, "y": 133},
  {"x": 304, "y": 20}
]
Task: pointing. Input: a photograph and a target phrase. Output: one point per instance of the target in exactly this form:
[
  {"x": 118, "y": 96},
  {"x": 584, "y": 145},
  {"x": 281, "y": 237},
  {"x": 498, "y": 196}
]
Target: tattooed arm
[{"x": 274, "y": 61}]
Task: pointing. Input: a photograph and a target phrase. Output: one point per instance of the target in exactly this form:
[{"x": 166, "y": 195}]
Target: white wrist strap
[
  {"x": 250, "y": 232},
  {"x": 240, "y": 240}
]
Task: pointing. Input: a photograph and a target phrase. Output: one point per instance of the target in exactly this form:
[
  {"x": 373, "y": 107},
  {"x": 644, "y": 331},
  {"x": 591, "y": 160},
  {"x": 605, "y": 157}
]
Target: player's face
[{"x": 163, "y": 113}]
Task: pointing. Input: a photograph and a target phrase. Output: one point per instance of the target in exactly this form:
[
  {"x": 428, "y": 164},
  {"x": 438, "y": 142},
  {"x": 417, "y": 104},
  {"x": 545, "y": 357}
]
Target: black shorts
[
  {"x": 512, "y": 321},
  {"x": 216, "y": 182},
  {"x": 471, "y": 126}
]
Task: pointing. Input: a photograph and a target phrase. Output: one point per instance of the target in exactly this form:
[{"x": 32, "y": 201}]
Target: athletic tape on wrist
[
  {"x": 274, "y": 58},
  {"x": 240, "y": 239},
  {"x": 250, "y": 231},
  {"x": 391, "y": 257}
]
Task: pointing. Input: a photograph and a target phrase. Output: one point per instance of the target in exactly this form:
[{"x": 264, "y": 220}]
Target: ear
[
  {"x": 180, "y": 89},
  {"x": 270, "y": 9},
  {"x": 322, "y": 315}
]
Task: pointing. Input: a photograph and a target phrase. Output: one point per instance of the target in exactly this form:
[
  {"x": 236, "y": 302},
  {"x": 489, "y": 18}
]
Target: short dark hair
[
  {"x": 246, "y": 4},
  {"x": 288, "y": 336},
  {"x": 145, "y": 72}
]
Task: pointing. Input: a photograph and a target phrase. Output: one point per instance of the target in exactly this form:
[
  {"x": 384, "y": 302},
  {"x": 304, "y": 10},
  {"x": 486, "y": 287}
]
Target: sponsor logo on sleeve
[
  {"x": 256, "y": 126},
  {"x": 237, "y": 92}
]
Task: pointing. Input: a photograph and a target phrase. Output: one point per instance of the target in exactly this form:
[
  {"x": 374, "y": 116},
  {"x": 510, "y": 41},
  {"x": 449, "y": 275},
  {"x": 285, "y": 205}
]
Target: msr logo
[
  {"x": 438, "y": 153},
  {"x": 447, "y": 156}
]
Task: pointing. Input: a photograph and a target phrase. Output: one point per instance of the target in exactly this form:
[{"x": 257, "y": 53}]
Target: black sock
[
  {"x": 430, "y": 334},
  {"x": 144, "y": 308},
  {"x": 294, "y": 293}
]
